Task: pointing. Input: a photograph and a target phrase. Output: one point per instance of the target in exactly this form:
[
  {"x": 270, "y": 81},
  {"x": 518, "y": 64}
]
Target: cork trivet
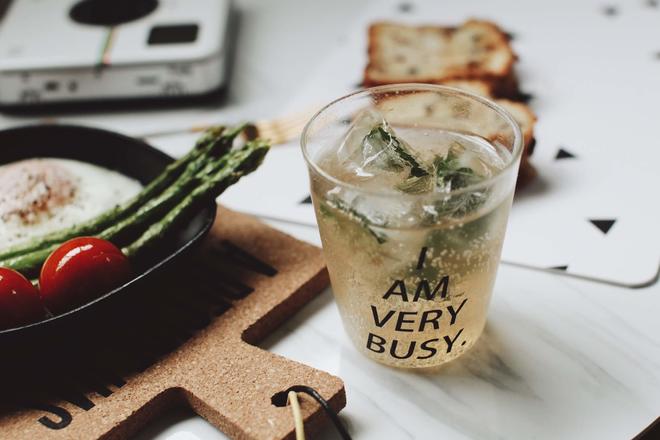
[{"x": 172, "y": 351}]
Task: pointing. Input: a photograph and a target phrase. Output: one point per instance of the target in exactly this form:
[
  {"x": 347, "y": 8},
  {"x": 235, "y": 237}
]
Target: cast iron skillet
[{"x": 133, "y": 158}]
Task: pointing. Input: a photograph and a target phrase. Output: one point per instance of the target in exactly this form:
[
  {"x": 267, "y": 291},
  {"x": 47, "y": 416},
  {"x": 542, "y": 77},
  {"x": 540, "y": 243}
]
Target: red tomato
[
  {"x": 80, "y": 270},
  {"x": 19, "y": 300}
]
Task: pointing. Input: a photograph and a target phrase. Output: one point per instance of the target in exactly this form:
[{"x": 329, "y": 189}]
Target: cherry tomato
[
  {"x": 79, "y": 271},
  {"x": 19, "y": 300}
]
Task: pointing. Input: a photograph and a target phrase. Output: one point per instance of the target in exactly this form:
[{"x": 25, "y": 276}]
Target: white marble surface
[{"x": 561, "y": 358}]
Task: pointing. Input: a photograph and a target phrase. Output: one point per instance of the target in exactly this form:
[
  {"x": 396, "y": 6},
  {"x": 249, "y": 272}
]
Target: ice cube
[
  {"x": 372, "y": 151},
  {"x": 350, "y": 151},
  {"x": 467, "y": 158},
  {"x": 380, "y": 150}
]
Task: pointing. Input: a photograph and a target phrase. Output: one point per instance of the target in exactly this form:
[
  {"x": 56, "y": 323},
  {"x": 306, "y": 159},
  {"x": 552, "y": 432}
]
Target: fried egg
[{"x": 38, "y": 196}]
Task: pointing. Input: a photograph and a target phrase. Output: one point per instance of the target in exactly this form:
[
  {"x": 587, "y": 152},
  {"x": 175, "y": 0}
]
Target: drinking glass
[{"x": 412, "y": 270}]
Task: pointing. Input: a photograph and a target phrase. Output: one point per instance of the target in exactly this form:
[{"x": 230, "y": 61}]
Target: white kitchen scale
[{"x": 73, "y": 50}]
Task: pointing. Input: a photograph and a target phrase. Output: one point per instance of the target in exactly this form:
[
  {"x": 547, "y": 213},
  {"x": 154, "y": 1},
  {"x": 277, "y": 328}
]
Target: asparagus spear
[
  {"x": 214, "y": 141},
  {"x": 170, "y": 197},
  {"x": 247, "y": 160},
  {"x": 24, "y": 262},
  {"x": 227, "y": 171}
]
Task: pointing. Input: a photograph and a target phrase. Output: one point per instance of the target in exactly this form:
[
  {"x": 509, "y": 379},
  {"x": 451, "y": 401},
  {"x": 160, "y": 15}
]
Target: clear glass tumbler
[{"x": 412, "y": 186}]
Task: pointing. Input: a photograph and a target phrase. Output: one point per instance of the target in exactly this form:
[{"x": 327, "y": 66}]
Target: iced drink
[{"x": 412, "y": 214}]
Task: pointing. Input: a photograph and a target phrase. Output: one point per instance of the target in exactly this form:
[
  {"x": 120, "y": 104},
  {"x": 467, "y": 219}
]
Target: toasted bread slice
[
  {"x": 525, "y": 118},
  {"x": 476, "y": 86},
  {"x": 430, "y": 54},
  {"x": 523, "y": 115}
]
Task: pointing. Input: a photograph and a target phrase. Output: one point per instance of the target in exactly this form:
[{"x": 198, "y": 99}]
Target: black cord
[{"x": 324, "y": 404}]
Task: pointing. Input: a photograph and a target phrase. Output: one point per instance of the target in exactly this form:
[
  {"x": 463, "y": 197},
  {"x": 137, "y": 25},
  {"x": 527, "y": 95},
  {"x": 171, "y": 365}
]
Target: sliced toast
[
  {"x": 521, "y": 112},
  {"x": 523, "y": 115},
  {"x": 430, "y": 54}
]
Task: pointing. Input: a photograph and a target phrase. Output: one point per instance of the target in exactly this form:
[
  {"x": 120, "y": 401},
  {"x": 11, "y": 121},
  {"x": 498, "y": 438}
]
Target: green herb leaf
[
  {"x": 417, "y": 185},
  {"x": 451, "y": 176},
  {"x": 390, "y": 153},
  {"x": 360, "y": 218}
]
